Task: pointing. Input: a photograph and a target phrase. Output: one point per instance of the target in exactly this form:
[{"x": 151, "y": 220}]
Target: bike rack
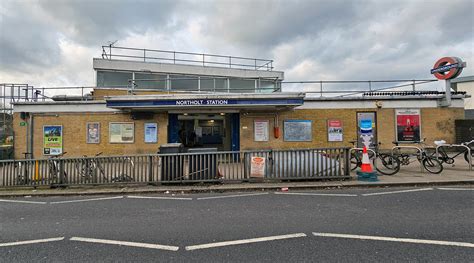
[
  {"x": 369, "y": 150},
  {"x": 456, "y": 145},
  {"x": 418, "y": 149}
]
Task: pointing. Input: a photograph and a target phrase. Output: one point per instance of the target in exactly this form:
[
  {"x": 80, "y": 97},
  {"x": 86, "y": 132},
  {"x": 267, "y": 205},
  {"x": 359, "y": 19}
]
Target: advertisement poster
[
  {"x": 151, "y": 132},
  {"x": 93, "y": 132},
  {"x": 257, "y": 167},
  {"x": 121, "y": 132},
  {"x": 408, "y": 125},
  {"x": 261, "y": 130},
  {"x": 53, "y": 140},
  {"x": 335, "y": 130}
]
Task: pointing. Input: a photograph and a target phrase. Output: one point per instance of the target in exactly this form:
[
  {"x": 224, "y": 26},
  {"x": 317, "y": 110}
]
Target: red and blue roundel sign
[{"x": 448, "y": 68}]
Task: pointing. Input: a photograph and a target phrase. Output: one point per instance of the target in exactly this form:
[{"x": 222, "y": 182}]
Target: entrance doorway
[{"x": 200, "y": 130}]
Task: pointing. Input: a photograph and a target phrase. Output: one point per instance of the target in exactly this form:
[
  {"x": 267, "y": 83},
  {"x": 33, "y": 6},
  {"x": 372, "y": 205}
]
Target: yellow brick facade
[
  {"x": 74, "y": 134},
  {"x": 436, "y": 124}
]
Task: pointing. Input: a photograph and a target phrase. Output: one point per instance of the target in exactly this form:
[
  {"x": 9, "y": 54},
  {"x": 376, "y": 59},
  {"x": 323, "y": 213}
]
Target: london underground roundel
[{"x": 448, "y": 68}]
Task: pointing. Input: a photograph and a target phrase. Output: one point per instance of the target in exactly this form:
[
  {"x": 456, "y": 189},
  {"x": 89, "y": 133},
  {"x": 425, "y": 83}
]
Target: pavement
[{"x": 410, "y": 175}]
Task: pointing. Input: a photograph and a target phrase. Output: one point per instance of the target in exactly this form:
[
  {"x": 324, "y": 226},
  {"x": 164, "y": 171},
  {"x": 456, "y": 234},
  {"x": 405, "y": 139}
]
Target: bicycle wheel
[
  {"x": 432, "y": 165},
  {"x": 387, "y": 164},
  {"x": 355, "y": 161},
  {"x": 466, "y": 156}
]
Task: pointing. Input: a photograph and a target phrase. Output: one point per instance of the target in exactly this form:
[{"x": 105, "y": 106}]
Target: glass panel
[
  {"x": 182, "y": 82},
  {"x": 267, "y": 86},
  {"x": 207, "y": 84},
  {"x": 150, "y": 81},
  {"x": 113, "y": 79},
  {"x": 242, "y": 85}
]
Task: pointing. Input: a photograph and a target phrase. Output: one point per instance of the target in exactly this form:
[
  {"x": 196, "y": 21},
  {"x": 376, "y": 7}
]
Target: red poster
[{"x": 408, "y": 125}]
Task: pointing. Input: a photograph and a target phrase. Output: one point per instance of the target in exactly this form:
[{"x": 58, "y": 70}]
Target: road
[{"x": 339, "y": 225}]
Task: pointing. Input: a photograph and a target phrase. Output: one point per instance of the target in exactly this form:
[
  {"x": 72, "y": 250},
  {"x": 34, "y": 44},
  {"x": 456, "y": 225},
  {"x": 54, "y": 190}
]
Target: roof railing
[{"x": 174, "y": 57}]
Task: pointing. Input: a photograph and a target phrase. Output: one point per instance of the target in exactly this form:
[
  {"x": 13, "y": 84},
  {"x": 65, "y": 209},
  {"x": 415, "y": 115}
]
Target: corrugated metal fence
[{"x": 321, "y": 163}]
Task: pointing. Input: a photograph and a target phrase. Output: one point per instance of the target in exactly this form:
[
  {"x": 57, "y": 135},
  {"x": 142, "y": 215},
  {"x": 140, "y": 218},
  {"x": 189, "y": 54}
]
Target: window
[
  {"x": 150, "y": 81},
  {"x": 121, "y": 132},
  {"x": 113, "y": 79}
]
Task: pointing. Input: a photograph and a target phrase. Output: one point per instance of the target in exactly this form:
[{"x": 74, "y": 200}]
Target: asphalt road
[{"x": 349, "y": 225}]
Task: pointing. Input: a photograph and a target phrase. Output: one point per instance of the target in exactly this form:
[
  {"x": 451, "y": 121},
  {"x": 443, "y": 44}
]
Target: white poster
[
  {"x": 257, "y": 167},
  {"x": 151, "y": 132},
  {"x": 261, "y": 130}
]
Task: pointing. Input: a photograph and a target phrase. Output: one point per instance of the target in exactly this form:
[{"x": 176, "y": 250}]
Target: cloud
[{"x": 53, "y": 42}]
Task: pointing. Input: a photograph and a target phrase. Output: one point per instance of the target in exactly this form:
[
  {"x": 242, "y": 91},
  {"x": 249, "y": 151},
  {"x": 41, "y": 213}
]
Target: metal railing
[
  {"x": 339, "y": 88},
  {"x": 175, "y": 57},
  {"x": 236, "y": 166}
]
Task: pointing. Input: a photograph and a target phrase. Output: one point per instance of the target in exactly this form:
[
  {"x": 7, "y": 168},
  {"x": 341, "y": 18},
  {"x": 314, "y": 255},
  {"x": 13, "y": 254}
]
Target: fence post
[
  {"x": 150, "y": 169},
  {"x": 347, "y": 159},
  {"x": 62, "y": 179}
]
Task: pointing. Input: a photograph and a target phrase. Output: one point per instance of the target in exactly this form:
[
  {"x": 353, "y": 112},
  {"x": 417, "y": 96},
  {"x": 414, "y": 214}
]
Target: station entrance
[{"x": 205, "y": 130}]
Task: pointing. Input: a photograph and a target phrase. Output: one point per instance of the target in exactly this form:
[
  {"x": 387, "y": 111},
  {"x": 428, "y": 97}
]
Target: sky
[{"x": 51, "y": 43}]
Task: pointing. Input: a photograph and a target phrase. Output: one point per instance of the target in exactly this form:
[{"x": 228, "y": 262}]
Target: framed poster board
[
  {"x": 408, "y": 123},
  {"x": 121, "y": 132},
  {"x": 335, "y": 132},
  {"x": 297, "y": 130},
  {"x": 52, "y": 139},
  {"x": 151, "y": 132},
  {"x": 260, "y": 130},
  {"x": 92, "y": 132},
  {"x": 366, "y": 125}
]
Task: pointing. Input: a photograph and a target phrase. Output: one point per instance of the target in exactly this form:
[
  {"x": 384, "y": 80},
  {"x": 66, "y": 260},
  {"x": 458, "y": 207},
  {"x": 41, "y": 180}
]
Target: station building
[{"x": 141, "y": 102}]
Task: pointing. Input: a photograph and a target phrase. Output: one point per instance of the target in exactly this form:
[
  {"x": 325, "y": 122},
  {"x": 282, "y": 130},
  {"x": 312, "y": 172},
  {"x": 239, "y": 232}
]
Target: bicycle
[
  {"x": 123, "y": 177},
  {"x": 54, "y": 168},
  {"x": 428, "y": 161},
  {"x": 389, "y": 164},
  {"x": 89, "y": 167},
  {"x": 443, "y": 156}
]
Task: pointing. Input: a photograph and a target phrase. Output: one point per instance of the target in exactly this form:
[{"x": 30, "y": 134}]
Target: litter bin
[
  {"x": 203, "y": 165},
  {"x": 172, "y": 164}
]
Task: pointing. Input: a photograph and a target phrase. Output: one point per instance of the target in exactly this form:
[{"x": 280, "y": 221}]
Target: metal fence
[{"x": 321, "y": 163}]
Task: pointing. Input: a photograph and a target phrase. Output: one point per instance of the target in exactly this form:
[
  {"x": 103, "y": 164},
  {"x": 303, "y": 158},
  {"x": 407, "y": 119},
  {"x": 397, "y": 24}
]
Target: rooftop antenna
[{"x": 110, "y": 44}]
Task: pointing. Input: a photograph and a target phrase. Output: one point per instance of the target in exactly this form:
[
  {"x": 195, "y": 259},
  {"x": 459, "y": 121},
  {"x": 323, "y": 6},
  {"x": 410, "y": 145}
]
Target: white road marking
[
  {"x": 455, "y": 189},
  {"x": 395, "y": 239},
  {"x": 397, "y": 192},
  {"x": 229, "y": 196},
  {"x": 317, "y": 194},
  {"x": 158, "y": 197},
  {"x": 124, "y": 243},
  {"x": 86, "y": 200},
  {"x": 244, "y": 241},
  {"x": 31, "y": 242},
  {"x": 21, "y": 201}
]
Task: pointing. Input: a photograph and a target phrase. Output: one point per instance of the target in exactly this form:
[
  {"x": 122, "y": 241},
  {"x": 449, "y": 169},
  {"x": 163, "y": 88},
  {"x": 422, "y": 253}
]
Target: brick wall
[
  {"x": 74, "y": 134},
  {"x": 437, "y": 124}
]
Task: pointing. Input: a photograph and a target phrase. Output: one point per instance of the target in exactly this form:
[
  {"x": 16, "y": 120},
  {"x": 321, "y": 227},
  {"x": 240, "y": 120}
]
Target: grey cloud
[
  {"x": 91, "y": 22},
  {"x": 25, "y": 39}
]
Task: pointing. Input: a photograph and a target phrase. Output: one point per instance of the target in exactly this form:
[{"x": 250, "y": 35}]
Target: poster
[
  {"x": 93, "y": 132},
  {"x": 52, "y": 140},
  {"x": 261, "y": 130},
  {"x": 257, "y": 167},
  {"x": 408, "y": 125},
  {"x": 335, "y": 130},
  {"x": 121, "y": 132},
  {"x": 297, "y": 131},
  {"x": 151, "y": 132},
  {"x": 366, "y": 126}
]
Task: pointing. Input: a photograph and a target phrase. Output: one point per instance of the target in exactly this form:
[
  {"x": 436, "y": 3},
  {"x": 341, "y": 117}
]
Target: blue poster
[
  {"x": 366, "y": 126},
  {"x": 151, "y": 132}
]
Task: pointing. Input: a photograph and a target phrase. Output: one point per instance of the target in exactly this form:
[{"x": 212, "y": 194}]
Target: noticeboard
[
  {"x": 297, "y": 130},
  {"x": 52, "y": 139}
]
